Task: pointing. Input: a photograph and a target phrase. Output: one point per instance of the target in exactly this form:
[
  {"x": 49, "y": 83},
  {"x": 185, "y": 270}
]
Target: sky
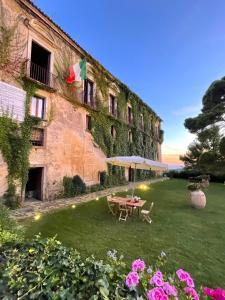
[{"x": 167, "y": 51}]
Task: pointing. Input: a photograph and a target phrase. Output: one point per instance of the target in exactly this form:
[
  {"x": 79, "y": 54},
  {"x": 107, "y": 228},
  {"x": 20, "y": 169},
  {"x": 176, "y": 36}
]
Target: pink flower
[
  {"x": 190, "y": 282},
  {"x": 132, "y": 279},
  {"x": 182, "y": 275},
  {"x": 192, "y": 292},
  {"x": 157, "y": 294},
  {"x": 156, "y": 280},
  {"x": 159, "y": 274},
  {"x": 170, "y": 290},
  {"x": 217, "y": 294},
  {"x": 209, "y": 292},
  {"x": 138, "y": 265}
]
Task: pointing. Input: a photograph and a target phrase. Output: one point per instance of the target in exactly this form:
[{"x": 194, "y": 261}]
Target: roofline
[{"x": 28, "y": 4}]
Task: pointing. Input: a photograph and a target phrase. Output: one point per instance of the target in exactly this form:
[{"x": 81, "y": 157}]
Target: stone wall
[{"x": 68, "y": 148}]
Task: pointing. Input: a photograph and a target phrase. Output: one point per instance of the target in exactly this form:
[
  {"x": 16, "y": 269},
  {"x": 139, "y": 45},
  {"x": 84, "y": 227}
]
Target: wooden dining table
[{"x": 129, "y": 202}]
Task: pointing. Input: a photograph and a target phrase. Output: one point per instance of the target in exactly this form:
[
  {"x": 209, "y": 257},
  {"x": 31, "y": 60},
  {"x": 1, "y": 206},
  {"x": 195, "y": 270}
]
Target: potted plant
[{"x": 197, "y": 197}]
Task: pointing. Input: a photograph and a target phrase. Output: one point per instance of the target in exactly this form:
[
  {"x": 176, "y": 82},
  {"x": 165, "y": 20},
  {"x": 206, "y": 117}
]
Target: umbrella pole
[{"x": 134, "y": 180}]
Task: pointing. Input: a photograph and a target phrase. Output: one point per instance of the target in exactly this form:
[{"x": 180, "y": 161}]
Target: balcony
[{"x": 40, "y": 75}]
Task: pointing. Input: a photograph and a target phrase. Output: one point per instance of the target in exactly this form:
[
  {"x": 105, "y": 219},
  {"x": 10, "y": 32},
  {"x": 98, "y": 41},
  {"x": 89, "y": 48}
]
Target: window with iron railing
[
  {"x": 89, "y": 93},
  {"x": 37, "y": 137}
]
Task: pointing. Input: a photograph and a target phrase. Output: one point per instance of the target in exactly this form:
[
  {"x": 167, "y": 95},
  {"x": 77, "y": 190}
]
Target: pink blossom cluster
[
  {"x": 162, "y": 289},
  {"x": 185, "y": 277},
  {"x": 189, "y": 290},
  {"x": 217, "y": 294},
  {"x": 192, "y": 292},
  {"x": 138, "y": 265},
  {"x": 132, "y": 279}
]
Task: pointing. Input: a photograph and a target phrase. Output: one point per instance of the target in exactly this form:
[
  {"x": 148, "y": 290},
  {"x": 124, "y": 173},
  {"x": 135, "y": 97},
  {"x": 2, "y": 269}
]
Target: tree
[
  {"x": 206, "y": 153},
  {"x": 213, "y": 110}
]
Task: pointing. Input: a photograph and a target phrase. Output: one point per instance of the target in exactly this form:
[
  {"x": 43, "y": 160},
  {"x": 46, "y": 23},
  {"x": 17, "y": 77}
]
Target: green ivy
[{"x": 15, "y": 145}]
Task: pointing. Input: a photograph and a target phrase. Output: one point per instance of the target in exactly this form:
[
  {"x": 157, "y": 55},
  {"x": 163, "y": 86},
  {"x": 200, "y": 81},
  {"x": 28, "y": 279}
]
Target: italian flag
[{"x": 77, "y": 72}]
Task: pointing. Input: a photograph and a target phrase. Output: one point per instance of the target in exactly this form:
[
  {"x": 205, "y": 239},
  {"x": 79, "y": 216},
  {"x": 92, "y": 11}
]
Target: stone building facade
[{"x": 63, "y": 143}]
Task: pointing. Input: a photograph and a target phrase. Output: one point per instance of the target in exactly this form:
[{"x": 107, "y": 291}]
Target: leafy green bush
[
  {"x": 10, "y": 231},
  {"x": 94, "y": 188},
  {"x": 73, "y": 186},
  {"x": 10, "y": 198},
  {"x": 44, "y": 269},
  {"x": 193, "y": 187}
]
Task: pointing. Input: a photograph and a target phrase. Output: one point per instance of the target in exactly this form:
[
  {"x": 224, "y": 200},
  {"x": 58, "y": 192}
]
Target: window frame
[
  {"x": 37, "y": 100},
  {"x": 129, "y": 114},
  {"x": 88, "y": 123},
  {"x": 86, "y": 100},
  {"x": 130, "y": 136},
  {"x": 112, "y": 105},
  {"x": 113, "y": 131},
  {"x": 35, "y": 142}
]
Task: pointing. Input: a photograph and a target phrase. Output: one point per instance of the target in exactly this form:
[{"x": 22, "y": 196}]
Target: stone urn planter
[{"x": 197, "y": 197}]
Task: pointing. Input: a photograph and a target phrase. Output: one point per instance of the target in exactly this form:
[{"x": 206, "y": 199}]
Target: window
[
  {"x": 112, "y": 105},
  {"x": 37, "y": 137},
  {"x": 129, "y": 114},
  {"x": 130, "y": 136},
  {"x": 141, "y": 121},
  {"x": 40, "y": 64},
  {"x": 88, "y": 123},
  {"x": 113, "y": 131},
  {"x": 89, "y": 92},
  {"x": 38, "y": 107}
]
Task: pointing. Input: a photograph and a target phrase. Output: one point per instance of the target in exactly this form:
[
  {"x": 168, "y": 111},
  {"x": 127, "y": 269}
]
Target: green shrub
[
  {"x": 44, "y": 269},
  {"x": 193, "y": 187},
  {"x": 94, "y": 188},
  {"x": 10, "y": 231},
  {"x": 79, "y": 185},
  {"x": 73, "y": 186},
  {"x": 10, "y": 198}
]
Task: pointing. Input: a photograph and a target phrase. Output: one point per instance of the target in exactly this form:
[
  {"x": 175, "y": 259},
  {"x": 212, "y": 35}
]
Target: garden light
[
  {"x": 96, "y": 198},
  {"x": 143, "y": 187},
  {"x": 73, "y": 206},
  {"x": 37, "y": 217}
]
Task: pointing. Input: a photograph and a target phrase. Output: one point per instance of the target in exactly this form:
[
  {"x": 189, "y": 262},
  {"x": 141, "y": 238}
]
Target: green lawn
[{"x": 192, "y": 239}]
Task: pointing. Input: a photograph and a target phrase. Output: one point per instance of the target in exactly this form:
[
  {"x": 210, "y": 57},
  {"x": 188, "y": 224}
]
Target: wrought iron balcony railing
[{"x": 41, "y": 74}]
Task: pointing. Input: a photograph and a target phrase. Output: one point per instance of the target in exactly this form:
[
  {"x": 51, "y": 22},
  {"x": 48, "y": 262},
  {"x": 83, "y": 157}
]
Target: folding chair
[
  {"x": 111, "y": 205},
  {"x": 146, "y": 214},
  {"x": 124, "y": 212}
]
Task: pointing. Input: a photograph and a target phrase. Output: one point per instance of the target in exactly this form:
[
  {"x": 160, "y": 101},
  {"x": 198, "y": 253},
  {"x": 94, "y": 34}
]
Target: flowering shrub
[
  {"x": 45, "y": 269},
  {"x": 152, "y": 284},
  {"x": 217, "y": 294}
]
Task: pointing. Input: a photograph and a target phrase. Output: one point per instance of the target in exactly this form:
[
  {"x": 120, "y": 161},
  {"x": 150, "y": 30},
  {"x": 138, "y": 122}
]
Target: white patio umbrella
[{"x": 137, "y": 162}]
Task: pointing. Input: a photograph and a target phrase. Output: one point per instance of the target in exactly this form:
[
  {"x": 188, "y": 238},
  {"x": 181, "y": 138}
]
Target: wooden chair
[
  {"x": 124, "y": 212},
  {"x": 146, "y": 214},
  {"x": 133, "y": 208},
  {"x": 111, "y": 205}
]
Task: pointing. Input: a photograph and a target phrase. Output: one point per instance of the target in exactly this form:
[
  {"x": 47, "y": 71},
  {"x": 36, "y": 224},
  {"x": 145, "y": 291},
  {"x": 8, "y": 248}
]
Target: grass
[{"x": 192, "y": 239}]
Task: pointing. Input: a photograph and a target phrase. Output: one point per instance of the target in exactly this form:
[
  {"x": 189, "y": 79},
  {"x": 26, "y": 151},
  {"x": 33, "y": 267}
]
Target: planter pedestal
[{"x": 198, "y": 199}]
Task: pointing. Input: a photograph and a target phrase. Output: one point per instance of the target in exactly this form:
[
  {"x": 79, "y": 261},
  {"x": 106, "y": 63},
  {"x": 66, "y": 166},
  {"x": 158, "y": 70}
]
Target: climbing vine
[{"x": 15, "y": 145}]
